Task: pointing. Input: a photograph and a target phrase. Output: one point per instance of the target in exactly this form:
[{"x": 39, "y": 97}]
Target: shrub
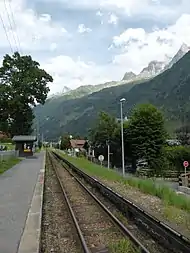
[{"x": 175, "y": 157}]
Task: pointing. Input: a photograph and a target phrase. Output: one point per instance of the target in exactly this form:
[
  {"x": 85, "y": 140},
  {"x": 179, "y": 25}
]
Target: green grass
[
  {"x": 38, "y": 150},
  {"x": 123, "y": 246},
  {"x": 7, "y": 164},
  {"x": 10, "y": 146},
  {"x": 148, "y": 186}
]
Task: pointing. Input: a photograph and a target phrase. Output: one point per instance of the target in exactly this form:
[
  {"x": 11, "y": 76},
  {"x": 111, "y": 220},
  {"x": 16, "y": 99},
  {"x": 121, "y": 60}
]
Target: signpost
[
  {"x": 101, "y": 158},
  {"x": 185, "y": 165}
]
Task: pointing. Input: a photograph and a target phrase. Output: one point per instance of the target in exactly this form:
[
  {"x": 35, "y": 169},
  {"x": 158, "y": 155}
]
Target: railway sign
[
  {"x": 101, "y": 158},
  {"x": 185, "y": 164}
]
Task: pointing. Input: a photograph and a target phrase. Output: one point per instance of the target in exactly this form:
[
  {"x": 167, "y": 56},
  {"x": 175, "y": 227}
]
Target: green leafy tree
[
  {"x": 183, "y": 134},
  {"x": 146, "y": 134},
  {"x": 65, "y": 142},
  {"x": 39, "y": 144},
  {"x": 104, "y": 132},
  {"x": 23, "y": 84}
]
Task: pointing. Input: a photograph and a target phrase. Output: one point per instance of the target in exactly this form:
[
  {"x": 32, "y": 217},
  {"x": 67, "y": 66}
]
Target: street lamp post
[
  {"x": 122, "y": 100},
  {"x": 108, "y": 145}
]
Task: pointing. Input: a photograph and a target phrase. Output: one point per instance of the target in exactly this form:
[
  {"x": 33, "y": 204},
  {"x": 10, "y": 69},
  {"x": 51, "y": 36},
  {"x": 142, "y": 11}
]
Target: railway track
[
  {"x": 58, "y": 234},
  {"x": 170, "y": 240},
  {"x": 98, "y": 230}
]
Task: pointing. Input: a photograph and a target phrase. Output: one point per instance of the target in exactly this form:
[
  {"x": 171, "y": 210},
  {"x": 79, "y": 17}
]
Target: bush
[
  {"x": 169, "y": 163},
  {"x": 5, "y": 140},
  {"x": 175, "y": 157}
]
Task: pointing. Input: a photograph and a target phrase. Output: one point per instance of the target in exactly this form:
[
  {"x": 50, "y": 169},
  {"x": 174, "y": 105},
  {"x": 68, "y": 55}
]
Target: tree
[
  {"x": 39, "y": 144},
  {"x": 65, "y": 142},
  {"x": 183, "y": 134},
  {"x": 146, "y": 134},
  {"x": 22, "y": 85},
  {"x": 104, "y": 132}
]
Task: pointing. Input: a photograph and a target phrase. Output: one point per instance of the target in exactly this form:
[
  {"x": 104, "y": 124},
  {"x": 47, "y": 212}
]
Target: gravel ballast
[
  {"x": 98, "y": 230},
  {"x": 58, "y": 235}
]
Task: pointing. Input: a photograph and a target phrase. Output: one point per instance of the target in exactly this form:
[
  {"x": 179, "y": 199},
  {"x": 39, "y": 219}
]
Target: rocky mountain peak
[
  {"x": 153, "y": 68},
  {"x": 129, "y": 75},
  {"x": 184, "y": 48},
  {"x": 180, "y": 53},
  {"x": 58, "y": 94}
]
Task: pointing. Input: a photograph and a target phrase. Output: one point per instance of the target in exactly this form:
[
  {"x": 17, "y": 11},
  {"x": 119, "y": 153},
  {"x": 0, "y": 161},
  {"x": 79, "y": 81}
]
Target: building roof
[
  {"x": 24, "y": 138},
  {"x": 77, "y": 143}
]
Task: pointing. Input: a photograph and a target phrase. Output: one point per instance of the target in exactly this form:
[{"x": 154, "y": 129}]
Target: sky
[{"x": 81, "y": 42}]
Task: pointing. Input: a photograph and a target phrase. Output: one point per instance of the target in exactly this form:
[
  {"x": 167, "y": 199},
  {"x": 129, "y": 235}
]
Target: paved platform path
[{"x": 16, "y": 190}]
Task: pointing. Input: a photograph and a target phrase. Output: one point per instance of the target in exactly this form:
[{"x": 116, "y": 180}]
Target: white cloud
[
  {"x": 99, "y": 13},
  {"x": 53, "y": 46},
  {"x": 149, "y": 8},
  {"x": 75, "y": 72},
  {"x": 136, "y": 46},
  {"x": 113, "y": 19},
  {"x": 83, "y": 29},
  {"x": 139, "y": 47},
  {"x": 36, "y": 32}
]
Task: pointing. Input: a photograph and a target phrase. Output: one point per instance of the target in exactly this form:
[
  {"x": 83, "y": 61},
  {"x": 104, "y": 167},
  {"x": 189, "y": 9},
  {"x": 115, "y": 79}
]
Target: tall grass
[{"x": 147, "y": 186}]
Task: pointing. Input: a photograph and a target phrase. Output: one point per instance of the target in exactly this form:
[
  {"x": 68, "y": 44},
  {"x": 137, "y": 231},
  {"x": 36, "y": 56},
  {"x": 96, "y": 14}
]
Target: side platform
[{"x": 21, "y": 195}]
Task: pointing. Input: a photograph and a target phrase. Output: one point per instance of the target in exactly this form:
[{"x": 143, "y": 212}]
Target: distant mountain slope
[{"x": 57, "y": 113}]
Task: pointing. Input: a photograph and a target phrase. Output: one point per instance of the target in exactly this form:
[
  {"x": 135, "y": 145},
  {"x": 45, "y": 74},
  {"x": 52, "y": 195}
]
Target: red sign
[{"x": 185, "y": 164}]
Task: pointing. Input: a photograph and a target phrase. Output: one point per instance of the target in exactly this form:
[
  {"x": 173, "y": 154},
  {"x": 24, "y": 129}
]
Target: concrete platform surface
[{"x": 16, "y": 191}]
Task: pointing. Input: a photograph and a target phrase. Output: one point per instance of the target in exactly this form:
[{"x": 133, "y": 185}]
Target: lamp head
[{"x": 122, "y": 100}]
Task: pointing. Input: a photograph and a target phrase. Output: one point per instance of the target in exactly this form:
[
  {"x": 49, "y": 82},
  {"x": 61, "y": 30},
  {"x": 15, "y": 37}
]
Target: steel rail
[
  {"x": 114, "y": 220},
  {"x": 168, "y": 237},
  {"x": 79, "y": 232}
]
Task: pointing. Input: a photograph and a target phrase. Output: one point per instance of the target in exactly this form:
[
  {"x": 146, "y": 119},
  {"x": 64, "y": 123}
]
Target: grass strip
[
  {"x": 7, "y": 164},
  {"x": 148, "y": 186}
]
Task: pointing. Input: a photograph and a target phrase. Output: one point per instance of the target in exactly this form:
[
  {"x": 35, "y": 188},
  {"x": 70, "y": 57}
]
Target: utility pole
[
  {"x": 42, "y": 138},
  {"x": 37, "y": 130}
]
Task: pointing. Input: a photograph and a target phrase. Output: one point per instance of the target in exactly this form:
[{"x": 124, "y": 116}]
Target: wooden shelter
[
  {"x": 25, "y": 144},
  {"x": 78, "y": 145}
]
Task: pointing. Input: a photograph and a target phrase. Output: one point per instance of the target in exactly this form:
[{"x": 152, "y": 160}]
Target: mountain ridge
[{"x": 152, "y": 69}]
